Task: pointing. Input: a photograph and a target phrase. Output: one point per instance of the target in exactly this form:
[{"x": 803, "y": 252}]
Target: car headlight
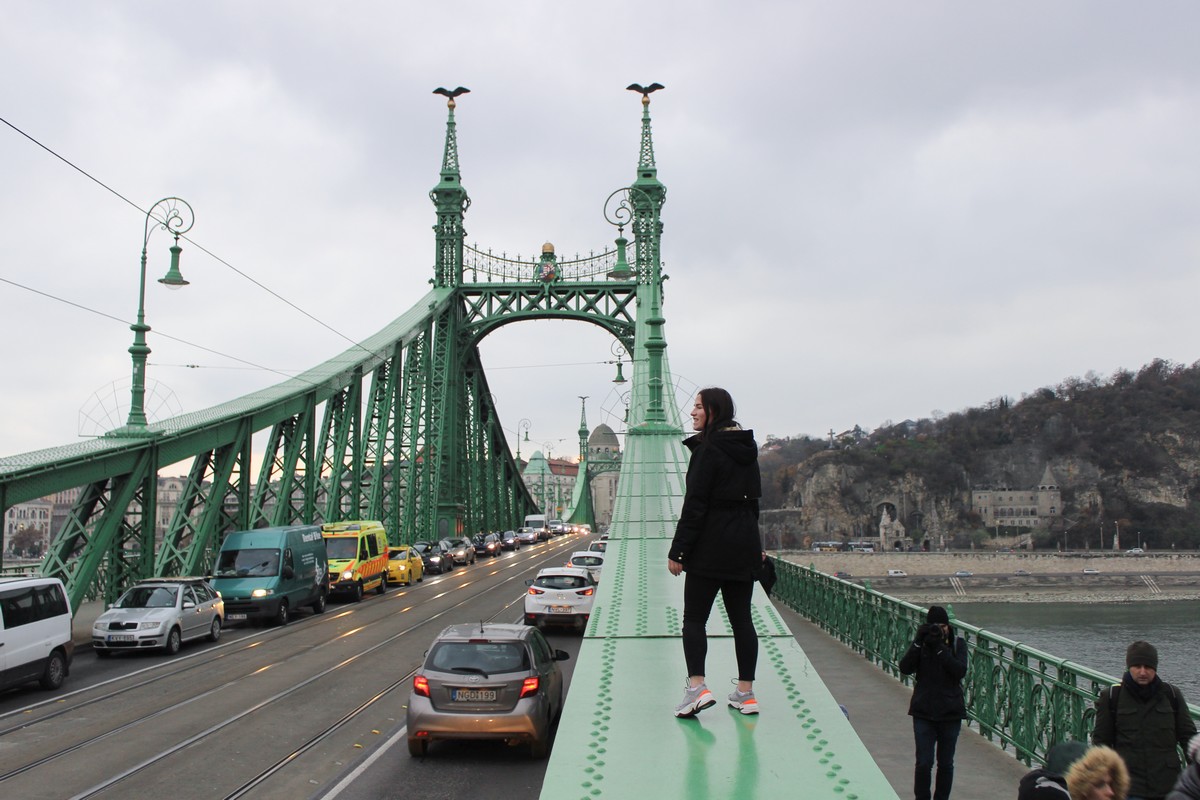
[
  {"x": 261, "y": 592},
  {"x": 434, "y": 559},
  {"x": 149, "y": 624},
  {"x": 348, "y": 575}
]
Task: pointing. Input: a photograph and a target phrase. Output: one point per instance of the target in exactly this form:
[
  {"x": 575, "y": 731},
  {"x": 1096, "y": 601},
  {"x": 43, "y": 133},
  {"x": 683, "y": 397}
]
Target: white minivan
[{"x": 35, "y": 632}]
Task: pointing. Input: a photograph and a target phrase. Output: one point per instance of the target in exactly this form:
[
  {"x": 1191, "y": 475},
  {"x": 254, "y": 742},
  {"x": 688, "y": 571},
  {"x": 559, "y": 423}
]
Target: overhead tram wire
[
  {"x": 187, "y": 239},
  {"x": 157, "y": 332}
]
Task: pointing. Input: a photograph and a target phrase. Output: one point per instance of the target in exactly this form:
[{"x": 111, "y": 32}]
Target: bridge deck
[{"x": 618, "y": 737}]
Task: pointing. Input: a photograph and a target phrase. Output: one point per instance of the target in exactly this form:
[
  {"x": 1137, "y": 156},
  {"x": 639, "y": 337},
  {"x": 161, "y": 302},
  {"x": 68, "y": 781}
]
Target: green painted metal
[{"x": 1018, "y": 696}]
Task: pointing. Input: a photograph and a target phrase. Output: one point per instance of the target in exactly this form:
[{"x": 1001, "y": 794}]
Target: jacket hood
[
  {"x": 734, "y": 442},
  {"x": 1098, "y": 764}
]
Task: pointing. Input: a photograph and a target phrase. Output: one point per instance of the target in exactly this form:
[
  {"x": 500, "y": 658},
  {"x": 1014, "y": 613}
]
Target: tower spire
[
  {"x": 583, "y": 428},
  {"x": 451, "y": 201}
]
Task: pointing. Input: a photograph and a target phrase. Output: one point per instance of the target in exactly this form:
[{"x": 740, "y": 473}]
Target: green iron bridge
[{"x": 402, "y": 428}]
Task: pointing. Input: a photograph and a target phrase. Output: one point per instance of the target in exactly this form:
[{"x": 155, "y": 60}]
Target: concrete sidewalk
[{"x": 878, "y": 708}]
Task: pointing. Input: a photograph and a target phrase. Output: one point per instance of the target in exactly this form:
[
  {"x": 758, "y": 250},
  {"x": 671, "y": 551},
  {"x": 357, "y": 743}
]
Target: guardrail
[{"x": 1017, "y": 696}]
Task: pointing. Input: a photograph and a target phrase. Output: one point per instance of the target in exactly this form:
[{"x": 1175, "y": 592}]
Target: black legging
[{"x": 699, "y": 593}]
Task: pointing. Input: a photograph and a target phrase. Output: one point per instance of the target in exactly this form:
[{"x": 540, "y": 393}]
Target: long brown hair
[{"x": 719, "y": 410}]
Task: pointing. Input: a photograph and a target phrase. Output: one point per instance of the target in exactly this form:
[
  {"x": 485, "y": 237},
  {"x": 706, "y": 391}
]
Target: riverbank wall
[{"x": 1016, "y": 577}]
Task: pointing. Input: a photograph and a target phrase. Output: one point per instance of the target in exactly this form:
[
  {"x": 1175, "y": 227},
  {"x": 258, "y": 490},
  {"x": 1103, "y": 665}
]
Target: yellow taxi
[{"x": 405, "y": 565}]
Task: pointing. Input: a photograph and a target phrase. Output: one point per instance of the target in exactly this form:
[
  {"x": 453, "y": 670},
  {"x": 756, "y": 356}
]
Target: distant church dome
[{"x": 603, "y": 437}]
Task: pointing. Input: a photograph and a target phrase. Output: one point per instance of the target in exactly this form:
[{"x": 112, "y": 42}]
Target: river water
[{"x": 1095, "y": 635}]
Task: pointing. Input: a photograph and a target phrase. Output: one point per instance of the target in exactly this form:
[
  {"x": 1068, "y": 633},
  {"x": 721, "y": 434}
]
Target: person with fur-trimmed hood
[
  {"x": 1099, "y": 775},
  {"x": 1188, "y": 785}
]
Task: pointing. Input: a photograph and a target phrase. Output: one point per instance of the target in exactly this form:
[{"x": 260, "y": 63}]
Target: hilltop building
[{"x": 1026, "y": 508}]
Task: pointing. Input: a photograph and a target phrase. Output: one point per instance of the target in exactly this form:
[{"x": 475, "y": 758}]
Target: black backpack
[{"x": 1115, "y": 691}]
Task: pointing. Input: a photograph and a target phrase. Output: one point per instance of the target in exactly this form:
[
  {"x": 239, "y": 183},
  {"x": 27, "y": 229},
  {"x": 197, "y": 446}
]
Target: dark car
[
  {"x": 509, "y": 540},
  {"x": 486, "y": 681},
  {"x": 841, "y": 573},
  {"x": 487, "y": 544},
  {"x": 435, "y": 556}
]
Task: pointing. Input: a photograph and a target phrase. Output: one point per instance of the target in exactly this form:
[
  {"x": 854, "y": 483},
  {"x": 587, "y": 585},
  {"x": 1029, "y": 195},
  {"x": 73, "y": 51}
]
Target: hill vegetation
[{"x": 1124, "y": 450}]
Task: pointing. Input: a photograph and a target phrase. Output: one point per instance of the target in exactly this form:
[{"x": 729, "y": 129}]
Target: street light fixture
[{"x": 175, "y": 215}]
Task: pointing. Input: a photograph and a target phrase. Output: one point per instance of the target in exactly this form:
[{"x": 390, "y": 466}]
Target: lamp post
[
  {"x": 545, "y": 499},
  {"x": 175, "y": 215},
  {"x": 522, "y": 427}
]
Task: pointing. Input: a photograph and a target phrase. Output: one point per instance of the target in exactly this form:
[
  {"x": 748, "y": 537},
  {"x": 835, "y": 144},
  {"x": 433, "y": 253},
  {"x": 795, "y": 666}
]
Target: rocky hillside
[{"x": 1125, "y": 452}]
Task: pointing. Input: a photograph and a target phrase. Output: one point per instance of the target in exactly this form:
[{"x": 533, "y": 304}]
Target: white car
[
  {"x": 897, "y": 573},
  {"x": 160, "y": 613},
  {"x": 560, "y": 595},
  {"x": 1134, "y": 551},
  {"x": 590, "y": 560},
  {"x": 600, "y": 546},
  {"x": 527, "y": 536}
]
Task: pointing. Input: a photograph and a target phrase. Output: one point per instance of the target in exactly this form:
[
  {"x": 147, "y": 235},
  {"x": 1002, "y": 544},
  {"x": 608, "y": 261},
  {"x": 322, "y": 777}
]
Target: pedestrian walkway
[{"x": 877, "y": 705}]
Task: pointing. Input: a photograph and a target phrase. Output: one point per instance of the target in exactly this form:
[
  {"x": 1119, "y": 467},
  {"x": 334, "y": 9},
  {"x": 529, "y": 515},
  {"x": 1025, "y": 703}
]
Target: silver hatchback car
[
  {"x": 160, "y": 613},
  {"x": 487, "y": 681}
]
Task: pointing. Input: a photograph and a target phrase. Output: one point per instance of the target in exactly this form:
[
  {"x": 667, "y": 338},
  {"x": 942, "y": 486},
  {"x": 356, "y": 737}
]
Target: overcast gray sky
[{"x": 874, "y": 209}]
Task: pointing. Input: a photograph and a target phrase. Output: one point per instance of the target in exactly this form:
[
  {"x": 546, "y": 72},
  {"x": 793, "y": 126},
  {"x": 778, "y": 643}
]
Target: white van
[
  {"x": 35, "y": 632},
  {"x": 897, "y": 573}
]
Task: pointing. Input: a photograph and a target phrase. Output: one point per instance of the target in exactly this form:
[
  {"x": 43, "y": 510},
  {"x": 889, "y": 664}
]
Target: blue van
[{"x": 266, "y": 574}]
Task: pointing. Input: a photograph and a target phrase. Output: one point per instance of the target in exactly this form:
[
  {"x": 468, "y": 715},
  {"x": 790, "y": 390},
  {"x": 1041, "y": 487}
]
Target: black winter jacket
[
  {"x": 717, "y": 535},
  {"x": 937, "y": 692},
  {"x": 1146, "y": 734}
]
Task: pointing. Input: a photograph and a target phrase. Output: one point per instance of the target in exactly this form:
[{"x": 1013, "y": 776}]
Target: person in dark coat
[
  {"x": 1144, "y": 718},
  {"x": 1050, "y": 782},
  {"x": 1188, "y": 785},
  {"x": 938, "y": 658},
  {"x": 717, "y": 543}
]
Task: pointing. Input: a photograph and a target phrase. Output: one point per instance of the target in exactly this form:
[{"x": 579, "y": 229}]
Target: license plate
[
  {"x": 474, "y": 695},
  {"x": 235, "y": 617},
  {"x": 120, "y": 637},
  {"x": 560, "y": 609}
]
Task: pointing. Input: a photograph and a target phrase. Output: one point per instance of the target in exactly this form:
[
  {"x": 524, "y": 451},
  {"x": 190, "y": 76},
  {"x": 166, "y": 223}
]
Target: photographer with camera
[{"x": 938, "y": 659}]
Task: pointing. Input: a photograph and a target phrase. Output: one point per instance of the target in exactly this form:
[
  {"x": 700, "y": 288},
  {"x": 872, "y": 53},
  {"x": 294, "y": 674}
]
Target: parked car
[
  {"x": 462, "y": 550},
  {"x": 528, "y": 536},
  {"x": 897, "y": 573},
  {"x": 599, "y": 546},
  {"x": 35, "y": 632},
  {"x": 509, "y": 540},
  {"x": 160, "y": 613},
  {"x": 405, "y": 565},
  {"x": 1134, "y": 551},
  {"x": 1090, "y": 571},
  {"x": 560, "y": 596},
  {"x": 841, "y": 573},
  {"x": 487, "y": 544},
  {"x": 963, "y": 573},
  {"x": 435, "y": 557},
  {"x": 590, "y": 560},
  {"x": 1021, "y": 572},
  {"x": 486, "y": 681}
]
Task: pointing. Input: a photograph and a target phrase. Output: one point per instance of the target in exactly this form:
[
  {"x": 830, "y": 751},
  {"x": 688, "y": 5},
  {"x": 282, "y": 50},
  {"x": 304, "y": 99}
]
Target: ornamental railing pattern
[
  {"x": 1017, "y": 696},
  {"x": 485, "y": 266}
]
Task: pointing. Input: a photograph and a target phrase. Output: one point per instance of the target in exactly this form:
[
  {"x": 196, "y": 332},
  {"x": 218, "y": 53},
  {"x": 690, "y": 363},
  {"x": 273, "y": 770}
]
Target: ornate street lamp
[
  {"x": 175, "y": 215},
  {"x": 522, "y": 426}
]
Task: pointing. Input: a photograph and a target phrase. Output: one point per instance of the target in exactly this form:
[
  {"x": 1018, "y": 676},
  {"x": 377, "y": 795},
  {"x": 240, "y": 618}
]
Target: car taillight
[
  {"x": 588, "y": 592},
  {"x": 421, "y": 685},
  {"x": 529, "y": 687},
  {"x": 535, "y": 590}
]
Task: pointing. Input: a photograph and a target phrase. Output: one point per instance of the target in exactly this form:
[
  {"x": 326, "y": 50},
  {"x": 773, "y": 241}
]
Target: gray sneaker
[
  {"x": 744, "y": 702},
  {"x": 694, "y": 701}
]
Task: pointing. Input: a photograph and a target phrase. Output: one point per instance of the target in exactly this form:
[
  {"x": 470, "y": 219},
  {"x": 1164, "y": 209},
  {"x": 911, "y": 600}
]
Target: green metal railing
[{"x": 1016, "y": 695}]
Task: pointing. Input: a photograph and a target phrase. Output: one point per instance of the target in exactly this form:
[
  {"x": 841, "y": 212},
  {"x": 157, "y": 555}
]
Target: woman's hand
[{"x": 674, "y": 567}]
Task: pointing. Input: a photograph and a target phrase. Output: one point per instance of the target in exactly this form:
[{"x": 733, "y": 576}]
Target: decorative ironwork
[
  {"x": 1017, "y": 695},
  {"x": 485, "y": 266}
]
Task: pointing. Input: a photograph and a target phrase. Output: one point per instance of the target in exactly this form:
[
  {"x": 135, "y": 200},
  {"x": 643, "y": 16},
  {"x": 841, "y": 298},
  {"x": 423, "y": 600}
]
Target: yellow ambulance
[{"x": 358, "y": 556}]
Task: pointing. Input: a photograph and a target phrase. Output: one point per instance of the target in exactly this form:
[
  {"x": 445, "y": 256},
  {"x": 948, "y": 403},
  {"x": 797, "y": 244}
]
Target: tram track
[{"x": 128, "y": 728}]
